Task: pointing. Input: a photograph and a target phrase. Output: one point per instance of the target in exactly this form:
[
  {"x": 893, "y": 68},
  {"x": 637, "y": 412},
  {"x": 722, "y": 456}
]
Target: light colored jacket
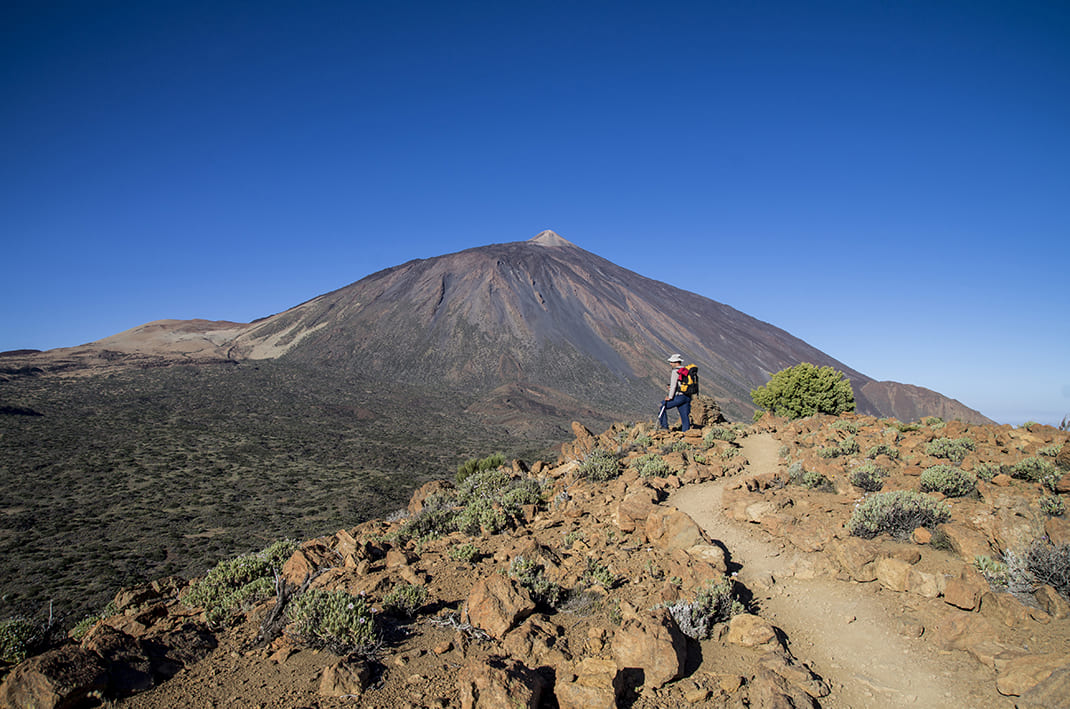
[{"x": 674, "y": 383}]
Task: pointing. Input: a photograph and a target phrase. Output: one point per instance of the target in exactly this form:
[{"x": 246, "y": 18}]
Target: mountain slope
[
  {"x": 548, "y": 315},
  {"x": 536, "y": 332}
]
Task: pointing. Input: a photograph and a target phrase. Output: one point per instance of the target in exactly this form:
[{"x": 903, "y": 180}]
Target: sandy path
[{"x": 854, "y": 636}]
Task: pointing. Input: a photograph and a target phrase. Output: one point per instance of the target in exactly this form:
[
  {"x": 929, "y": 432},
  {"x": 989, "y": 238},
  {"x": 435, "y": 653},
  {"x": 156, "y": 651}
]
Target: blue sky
[{"x": 889, "y": 181}]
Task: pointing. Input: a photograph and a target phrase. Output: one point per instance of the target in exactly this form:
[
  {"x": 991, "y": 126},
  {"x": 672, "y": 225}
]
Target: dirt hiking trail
[{"x": 860, "y": 639}]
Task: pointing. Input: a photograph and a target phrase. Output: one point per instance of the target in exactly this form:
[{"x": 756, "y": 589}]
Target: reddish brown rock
[
  {"x": 1024, "y": 673},
  {"x": 1052, "y": 603},
  {"x": 668, "y": 528},
  {"x": 636, "y": 506},
  {"x": 64, "y": 677},
  {"x": 497, "y": 604},
  {"x": 856, "y": 557},
  {"x": 499, "y": 682},
  {"x": 967, "y": 542},
  {"x": 750, "y": 631},
  {"x": 419, "y": 497},
  {"x": 345, "y": 678},
  {"x": 893, "y": 574},
  {"x": 593, "y": 683},
  {"x": 965, "y": 592},
  {"x": 653, "y": 644}
]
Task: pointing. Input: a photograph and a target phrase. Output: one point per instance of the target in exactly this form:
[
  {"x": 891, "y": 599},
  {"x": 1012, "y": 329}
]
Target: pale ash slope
[{"x": 540, "y": 323}]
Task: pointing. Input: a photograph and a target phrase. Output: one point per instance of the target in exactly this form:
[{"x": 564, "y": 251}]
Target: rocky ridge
[{"x": 626, "y": 560}]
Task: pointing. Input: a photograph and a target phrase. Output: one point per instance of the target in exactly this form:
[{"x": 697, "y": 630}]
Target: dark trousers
[{"x": 681, "y": 402}]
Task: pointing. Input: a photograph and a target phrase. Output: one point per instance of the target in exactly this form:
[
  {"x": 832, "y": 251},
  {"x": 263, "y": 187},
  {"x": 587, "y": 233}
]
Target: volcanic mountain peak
[{"x": 550, "y": 238}]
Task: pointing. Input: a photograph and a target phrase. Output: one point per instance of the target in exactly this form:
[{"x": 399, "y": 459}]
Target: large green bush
[{"x": 805, "y": 390}]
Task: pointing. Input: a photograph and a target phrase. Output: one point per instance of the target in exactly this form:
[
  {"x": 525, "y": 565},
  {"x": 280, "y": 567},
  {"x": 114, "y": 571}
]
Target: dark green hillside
[{"x": 129, "y": 476}]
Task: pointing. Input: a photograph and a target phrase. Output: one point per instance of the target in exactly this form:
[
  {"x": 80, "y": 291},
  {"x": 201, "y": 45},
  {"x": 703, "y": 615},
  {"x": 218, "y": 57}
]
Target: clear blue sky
[{"x": 889, "y": 181}]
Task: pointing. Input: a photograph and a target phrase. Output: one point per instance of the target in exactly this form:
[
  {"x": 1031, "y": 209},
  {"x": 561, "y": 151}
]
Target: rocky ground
[{"x": 598, "y": 610}]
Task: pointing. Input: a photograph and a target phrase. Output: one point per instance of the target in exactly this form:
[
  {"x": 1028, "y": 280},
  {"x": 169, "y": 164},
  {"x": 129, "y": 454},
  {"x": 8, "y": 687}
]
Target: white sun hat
[{"x": 676, "y": 358}]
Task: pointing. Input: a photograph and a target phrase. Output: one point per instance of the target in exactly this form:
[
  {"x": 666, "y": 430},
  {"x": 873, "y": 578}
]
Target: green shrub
[
  {"x": 19, "y": 637},
  {"x": 987, "y": 471},
  {"x": 882, "y": 449},
  {"x": 1050, "y": 564},
  {"x": 809, "y": 479},
  {"x": 487, "y": 484},
  {"x": 463, "y": 552},
  {"x": 531, "y": 575},
  {"x": 897, "y": 513},
  {"x": 933, "y": 421},
  {"x": 480, "y": 515},
  {"x": 954, "y": 449},
  {"x": 652, "y": 465},
  {"x": 715, "y": 603},
  {"x": 1052, "y": 505},
  {"x": 949, "y": 480},
  {"x": 1050, "y": 451},
  {"x": 335, "y": 620},
  {"x": 907, "y": 427},
  {"x": 1034, "y": 469},
  {"x": 478, "y": 465},
  {"x": 845, "y": 425},
  {"x": 717, "y": 433},
  {"x": 85, "y": 624},
  {"x": 599, "y": 573},
  {"x": 805, "y": 390},
  {"x": 405, "y": 600},
  {"x": 868, "y": 476},
  {"x": 994, "y": 571},
  {"x": 237, "y": 584},
  {"x": 600, "y": 465}
]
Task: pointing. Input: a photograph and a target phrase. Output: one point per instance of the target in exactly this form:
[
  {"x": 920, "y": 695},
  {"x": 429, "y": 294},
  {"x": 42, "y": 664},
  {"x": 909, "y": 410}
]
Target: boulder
[
  {"x": 1022, "y": 674},
  {"x": 636, "y": 506},
  {"x": 768, "y": 690},
  {"x": 496, "y": 604},
  {"x": 705, "y": 411},
  {"x": 893, "y": 574},
  {"x": 750, "y": 631},
  {"x": 967, "y": 542},
  {"x": 856, "y": 557},
  {"x": 668, "y": 528},
  {"x": 1052, "y": 603},
  {"x": 64, "y": 677},
  {"x": 345, "y": 678},
  {"x": 653, "y": 644},
  {"x": 584, "y": 443},
  {"x": 416, "y": 502},
  {"x": 593, "y": 683},
  {"x": 966, "y": 590},
  {"x": 499, "y": 682},
  {"x": 1051, "y": 692}
]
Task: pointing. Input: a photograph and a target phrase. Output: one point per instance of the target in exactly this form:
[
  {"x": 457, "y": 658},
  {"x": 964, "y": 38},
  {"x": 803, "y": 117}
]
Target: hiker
[{"x": 676, "y": 398}]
